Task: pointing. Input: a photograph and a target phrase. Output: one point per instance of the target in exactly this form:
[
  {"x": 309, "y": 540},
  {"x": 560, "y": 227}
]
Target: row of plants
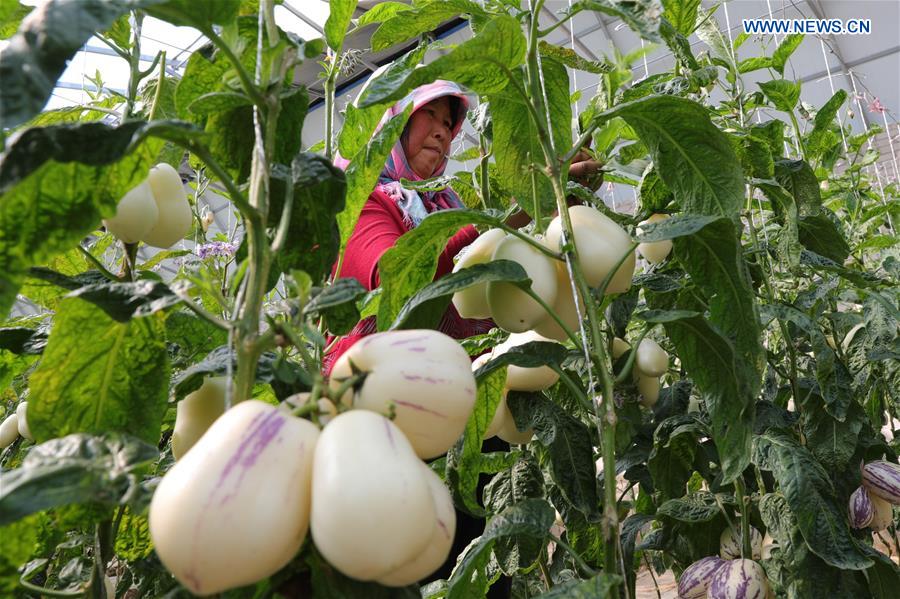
[{"x": 723, "y": 407}]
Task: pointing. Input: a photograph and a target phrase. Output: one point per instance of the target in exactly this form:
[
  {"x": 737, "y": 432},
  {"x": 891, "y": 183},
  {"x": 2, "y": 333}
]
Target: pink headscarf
[{"x": 415, "y": 205}]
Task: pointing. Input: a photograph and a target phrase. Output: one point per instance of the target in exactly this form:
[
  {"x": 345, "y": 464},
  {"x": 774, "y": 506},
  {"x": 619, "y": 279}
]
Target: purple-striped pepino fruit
[
  {"x": 883, "y": 479},
  {"x": 696, "y": 578},
  {"x": 861, "y": 509},
  {"x": 739, "y": 579},
  {"x": 730, "y": 543},
  {"x": 235, "y": 508}
]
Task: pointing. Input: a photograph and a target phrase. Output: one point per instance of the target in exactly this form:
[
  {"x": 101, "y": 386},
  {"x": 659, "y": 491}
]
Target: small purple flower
[{"x": 216, "y": 248}]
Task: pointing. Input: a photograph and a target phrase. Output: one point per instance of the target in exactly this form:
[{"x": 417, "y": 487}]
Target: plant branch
[{"x": 249, "y": 88}]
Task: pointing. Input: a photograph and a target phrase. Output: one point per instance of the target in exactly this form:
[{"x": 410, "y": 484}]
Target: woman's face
[{"x": 428, "y": 137}]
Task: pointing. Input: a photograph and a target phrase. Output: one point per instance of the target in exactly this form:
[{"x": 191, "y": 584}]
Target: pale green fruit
[
  {"x": 511, "y": 308},
  {"x": 136, "y": 214},
  {"x": 600, "y": 244},
  {"x": 472, "y": 301},
  {"x": 655, "y": 251},
  {"x": 175, "y": 215},
  {"x": 196, "y": 413}
]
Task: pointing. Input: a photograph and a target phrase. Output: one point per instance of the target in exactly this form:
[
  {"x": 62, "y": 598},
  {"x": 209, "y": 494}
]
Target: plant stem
[
  {"x": 159, "y": 85},
  {"x": 605, "y": 410},
  {"x": 248, "y": 341},
  {"x": 797, "y": 133},
  {"x": 134, "y": 64},
  {"x": 578, "y": 559},
  {"x": 329, "y": 88},
  {"x": 744, "y": 504},
  {"x": 545, "y": 572},
  {"x": 100, "y": 266},
  {"x": 249, "y": 88},
  {"x": 485, "y": 184}
]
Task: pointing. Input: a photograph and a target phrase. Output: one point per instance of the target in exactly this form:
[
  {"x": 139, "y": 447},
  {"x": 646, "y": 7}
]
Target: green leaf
[
  {"x": 781, "y": 93},
  {"x": 133, "y": 540},
  {"x": 678, "y": 43},
  {"x": 572, "y": 59},
  {"x": 821, "y": 263},
  {"x": 11, "y": 14},
  {"x": 672, "y": 456},
  {"x": 698, "y": 507},
  {"x": 530, "y": 518},
  {"x": 832, "y": 441},
  {"x": 285, "y": 376},
  {"x": 568, "y": 444},
  {"x": 516, "y": 147},
  {"x": 682, "y": 14},
  {"x": 22, "y": 340},
  {"x": 835, "y": 380},
  {"x": 421, "y": 18},
  {"x": 117, "y": 382},
  {"x": 191, "y": 337},
  {"x": 313, "y": 238},
  {"x": 784, "y": 50},
  {"x": 481, "y": 63},
  {"x": 19, "y": 542},
  {"x": 338, "y": 20},
  {"x": 328, "y": 583},
  {"x": 598, "y": 587},
  {"x": 712, "y": 363},
  {"x": 337, "y": 304},
  {"x": 464, "y": 460},
  {"x": 200, "y": 14},
  {"x": 643, "y": 17},
  {"x": 77, "y": 468},
  {"x": 707, "y": 29},
  {"x": 679, "y": 225},
  {"x": 883, "y": 576},
  {"x": 798, "y": 178},
  {"x": 809, "y": 493},
  {"x": 785, "y": 207},
  {"x": 425, "y": 309},
  {"x": 754, "y": 64},
  {"x": 822, "y": 125},
  {"x": 523, "y": 481},
  {"x": 653, "y": 193},
  {"x": 821, "y": 235},
  {"x": 52, "y": 208},
  {"x": 693, "y": 157},
  {"x": 39, "y": 52},
  {"x": 776, "y": 515},
  {"x": 381, "y": 12},
  {"x": 411, "y": 263},
  {"x": 363, "y": 171},
  {"x": 124, "y": 301}
]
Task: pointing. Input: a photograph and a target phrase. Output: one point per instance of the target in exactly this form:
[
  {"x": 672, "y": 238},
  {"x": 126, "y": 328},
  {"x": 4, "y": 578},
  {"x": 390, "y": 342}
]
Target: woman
[{"x": 391, "y": 210}]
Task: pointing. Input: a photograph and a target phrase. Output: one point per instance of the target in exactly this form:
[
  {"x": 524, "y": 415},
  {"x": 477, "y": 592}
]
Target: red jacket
[{"x": 380, "y": 224}]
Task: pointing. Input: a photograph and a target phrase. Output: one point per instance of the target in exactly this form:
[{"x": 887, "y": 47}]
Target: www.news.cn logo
[{"x": 808, "y": 26}]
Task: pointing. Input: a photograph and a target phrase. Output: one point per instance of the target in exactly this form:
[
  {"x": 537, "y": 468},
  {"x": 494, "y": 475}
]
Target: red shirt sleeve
[{"x": 380, "y": 225}]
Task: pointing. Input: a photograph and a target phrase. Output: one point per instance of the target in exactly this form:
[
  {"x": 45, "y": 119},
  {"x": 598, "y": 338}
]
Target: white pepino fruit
[
  {"x": 511, "y": 308},
  {"x": 655, "y": 251},
  {"x": 648, "y": 387},
  {"x": 564, "y": 306},
  {"x": 600, "y": 244},
  {"x": 235, "y": 509},
  {"x": 175, "y": 215},
  {"x": 438, "y": 547},
  {"x": 9, "y": 430},
  {"x": 423, "y": 376},
  {"x": 472, "y": 301},
  {"x": 519, "y": 378},
  {"x": 22, "y": 414},
  {"x": 696, "y": 578},
  {"x": 372, "y": 510},
  {"x": 196, "y": 413},
  {"x": 136, "y": 213},
  {"x": 651, "y": 359}
]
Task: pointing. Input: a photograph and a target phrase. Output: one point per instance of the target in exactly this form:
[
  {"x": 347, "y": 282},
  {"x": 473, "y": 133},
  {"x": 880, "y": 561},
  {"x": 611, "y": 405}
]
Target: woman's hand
[{"x": 586, "y": 171}]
